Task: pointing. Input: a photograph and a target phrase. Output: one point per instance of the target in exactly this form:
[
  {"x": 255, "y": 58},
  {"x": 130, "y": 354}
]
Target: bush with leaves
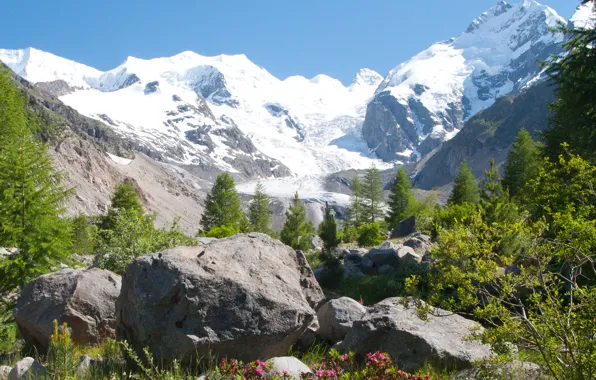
[
  {"x": 221, "y": 232},
  {"x": 370, "y": 235},
  {"x": 134, "y": 234},
  {"x": 540, "y": 296}
]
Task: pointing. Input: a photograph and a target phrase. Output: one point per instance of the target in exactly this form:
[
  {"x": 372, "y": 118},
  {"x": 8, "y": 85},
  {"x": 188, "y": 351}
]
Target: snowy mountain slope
[
  {"x": 584, "y": 16},
  {"x": 426, "y": 100},
  {"x": 223, "y": 110}
]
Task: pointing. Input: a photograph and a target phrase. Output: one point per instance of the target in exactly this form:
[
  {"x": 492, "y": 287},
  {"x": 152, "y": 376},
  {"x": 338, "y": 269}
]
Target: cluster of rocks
[
  {"x": 248, "y": 297},
  {"x": 384, "y": 259}
]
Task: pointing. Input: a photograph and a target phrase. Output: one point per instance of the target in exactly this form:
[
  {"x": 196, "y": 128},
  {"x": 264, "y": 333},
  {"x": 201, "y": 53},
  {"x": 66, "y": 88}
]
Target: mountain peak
[
  {"x": 366, "y": 77},
  {"x": 584, "y": 16}
]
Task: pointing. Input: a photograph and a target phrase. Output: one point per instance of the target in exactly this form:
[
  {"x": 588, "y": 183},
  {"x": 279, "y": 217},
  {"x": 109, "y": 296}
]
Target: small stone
[
  {"x": 288, "y": 365},
  {"x": 27, "y": 368}
]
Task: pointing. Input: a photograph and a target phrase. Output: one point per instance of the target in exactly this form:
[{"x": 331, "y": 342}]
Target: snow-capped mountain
[
  {"x": 426, "y": 100},
  {"x": 584, "y": 16},
  {"x": 223, "y": 111}
]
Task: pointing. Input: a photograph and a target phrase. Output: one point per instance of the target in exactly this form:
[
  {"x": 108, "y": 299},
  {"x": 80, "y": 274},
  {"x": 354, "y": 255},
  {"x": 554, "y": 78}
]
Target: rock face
[
  {"x": 337, "y": 316},
  {"x": 392, "y": 328},
  {"x": 241, "y": 297},
  {"x": 288, "y": 365},
  {"x": 83, "y": 298},
  {"x": 27, "y": 368},
  {"x": 426, "y": 100}
]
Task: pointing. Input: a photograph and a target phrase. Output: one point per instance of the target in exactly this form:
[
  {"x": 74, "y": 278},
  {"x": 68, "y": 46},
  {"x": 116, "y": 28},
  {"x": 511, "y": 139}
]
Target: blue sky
[{"x": 307, "y": 37}]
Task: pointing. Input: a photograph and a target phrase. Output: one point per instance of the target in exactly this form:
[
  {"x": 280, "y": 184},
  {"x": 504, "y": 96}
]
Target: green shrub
[
  {"x": 369, "y": 235},
  {"x": 221, "y": 232}
]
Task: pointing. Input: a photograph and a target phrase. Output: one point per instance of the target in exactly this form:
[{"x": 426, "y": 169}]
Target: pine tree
[
  {"x": 328, "y": 229},
  {"x": 125, "y": 197},
  {"x": 31, "y": 195},
  {"x": 295, "y": 230},
  {"x": 465, "y": 187},
  {"x": 495, "y": 205},
  {"x": 354, "y": 213},
  {"x": 574, "y": 112},
  {"x": 372, "y": 194},
  {"x": 401, "y": 199},
  {"x": 222, "y": 205},
  {"x": 258, "y": 210},
  {"x": 523, "y": 163}
]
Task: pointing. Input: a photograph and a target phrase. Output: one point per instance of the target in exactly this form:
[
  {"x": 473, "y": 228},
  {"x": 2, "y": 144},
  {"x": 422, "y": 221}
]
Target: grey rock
[
  {"x": 287, "y": 365},
  {"x": 425, "y": 238},
  {"x": 310, "y": 287},
  {"x": 404, "y": 228},
  {"x": 510, "y": 370},
  {"x": 412, "y": 342},
  {"x": 386, "y": 270},
  {"x": 316, "y": 242},
  {"x": 309, "y": 336},
  {"x": 85, "y": 365},
  {"x": 242, "y": 297},
  {"x": 352, "y": 270},
  {"x": 408, "y": 255},
  {"x": 4, "y": 371},
  {"x": 415, "y": 243},
  {"x": 83, "y": 298},
  {"x": 387, "y": 245},
  {"x": 382, "y": 257},
  {"x": 337, "y": 316},
  {"x": 151, "y": 87},
  {"x": 26, "y": 369},
  {"x": 206, "y": 240}
]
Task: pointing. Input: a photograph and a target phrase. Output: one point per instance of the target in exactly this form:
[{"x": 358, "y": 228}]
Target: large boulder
[
  {"x": 4, "y": 371},
  {"x": 83, "y": 298},
  {"x": 404, "y": 228},
  {"x": 408, "y": 255},
  {"x": 381, "y": 257},
  {"x": 337, "y": 316},
  {"x": 242, "y": 297},
  {"x": 412, "y": 342},
  {"x": 27, "y": 369}
]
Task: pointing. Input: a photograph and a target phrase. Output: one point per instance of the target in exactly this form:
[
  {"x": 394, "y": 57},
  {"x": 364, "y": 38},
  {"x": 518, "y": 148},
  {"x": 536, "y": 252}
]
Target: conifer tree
[
  {"x": 355, "y": 211},
  {"x": 31, "y": 195},
  {"x": 372, "y": 194},
  {"x": 574, "y": 112},
  {"x": 522, "y": 164},
  {"x": 401, "y": 199},
  {"x": 465, "y": 187},
  {"x": 328, "y": 229},
  {"x": 258, "y": 210},
  {"x": 296, "y": 228},
  {"x": 125, "y": 197},
  {"x": 495, "y": 205},
  {"x": 222, "y": 205}
]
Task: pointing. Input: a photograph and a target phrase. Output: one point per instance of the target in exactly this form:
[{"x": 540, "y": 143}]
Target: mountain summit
[{"x": 426, "y": 100}]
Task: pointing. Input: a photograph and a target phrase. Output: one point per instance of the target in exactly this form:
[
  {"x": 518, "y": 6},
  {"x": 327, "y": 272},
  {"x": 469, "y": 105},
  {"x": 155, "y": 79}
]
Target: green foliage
[
  {"x": 523, "y": 163},
  {"x": 574, "y": 113},
  {"x": 530, "y": 281},
  {"x": 62, "y": 359},
  {"x": 349, "y": 234},
  {"x": 355, "y": 212},
  {"x": 373, "y": 289},
  {"x": 258, "y": 210},
  {"x": 8, "y": 336},
  {"x": 126, "y": 197},
  {"x": 370, "y": 235},
  {"x": 465, "y": 187},
  {"x": 296, "y": 229},
  {"x": 85, "y": 235},
  {"x": 221, "y": 232},
  {"x": 134, "y": 234},
  {"x": 372, "y": 194},
  {"x": 222, "y": 206},
  {"x": 495, "y": 205},
  {"x": 328, "y": 230},
  {"x": 31, "y": 196},
  {"x": 401, "y": 199}
]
